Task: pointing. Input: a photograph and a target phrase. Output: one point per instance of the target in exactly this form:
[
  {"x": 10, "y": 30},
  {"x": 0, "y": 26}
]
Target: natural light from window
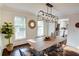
[
  {"x": 20, "y": 27},
  {"x": 40, "y": 28}
]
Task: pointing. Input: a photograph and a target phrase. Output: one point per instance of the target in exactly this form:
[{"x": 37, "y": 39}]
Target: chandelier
[{"x": 47, "y": 16}]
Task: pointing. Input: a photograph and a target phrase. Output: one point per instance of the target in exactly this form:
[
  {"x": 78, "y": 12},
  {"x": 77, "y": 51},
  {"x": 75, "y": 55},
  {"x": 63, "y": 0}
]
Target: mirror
[{"x": 32, "y": 24}]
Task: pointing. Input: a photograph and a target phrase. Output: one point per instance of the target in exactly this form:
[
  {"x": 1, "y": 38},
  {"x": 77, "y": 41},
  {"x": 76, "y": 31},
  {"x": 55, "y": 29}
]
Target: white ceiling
[{"x": 58, "y": 9}]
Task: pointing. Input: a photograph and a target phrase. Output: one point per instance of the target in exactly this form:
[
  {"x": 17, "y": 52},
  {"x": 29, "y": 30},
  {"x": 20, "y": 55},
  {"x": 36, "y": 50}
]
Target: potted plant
[{"x": 7, "y": 30}]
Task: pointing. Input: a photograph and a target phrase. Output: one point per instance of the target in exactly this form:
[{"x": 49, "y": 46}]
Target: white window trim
[
  {"x": 25, "y": 29},
  {"x": 37, "y": 30}
]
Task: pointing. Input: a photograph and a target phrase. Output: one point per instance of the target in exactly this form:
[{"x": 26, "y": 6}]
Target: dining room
[{"x": 39, "y": 29}]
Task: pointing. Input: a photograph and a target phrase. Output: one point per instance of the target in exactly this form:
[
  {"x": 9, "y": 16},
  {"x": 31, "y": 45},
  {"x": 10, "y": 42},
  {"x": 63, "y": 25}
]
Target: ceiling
[{"x": 59, "y": 9}]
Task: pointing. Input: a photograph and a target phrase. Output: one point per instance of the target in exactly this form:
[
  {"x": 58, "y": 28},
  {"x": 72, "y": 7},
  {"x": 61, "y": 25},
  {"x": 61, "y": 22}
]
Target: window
[
  {"x": 63, "y": 27},
  {"x": 51, "y": 28},
  {"x": 40, "y": 28},
  {"x": 20, "y": 27}
]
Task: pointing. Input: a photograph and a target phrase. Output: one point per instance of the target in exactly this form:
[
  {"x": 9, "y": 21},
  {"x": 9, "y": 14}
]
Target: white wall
[
  {"x": 0, "y": 45},
  {"x": 8, "y": 14},
  {"x": 73, "y": 32}
]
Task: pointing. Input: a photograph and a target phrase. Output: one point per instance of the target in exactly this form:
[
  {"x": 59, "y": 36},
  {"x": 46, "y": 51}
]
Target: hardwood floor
[
  {"x": 23, "y": 50},
  {"x": 71, "y": 51}
]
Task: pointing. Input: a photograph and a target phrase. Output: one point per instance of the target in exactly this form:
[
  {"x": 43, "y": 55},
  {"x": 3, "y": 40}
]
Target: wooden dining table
[{"x": 39, "y": 44}]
